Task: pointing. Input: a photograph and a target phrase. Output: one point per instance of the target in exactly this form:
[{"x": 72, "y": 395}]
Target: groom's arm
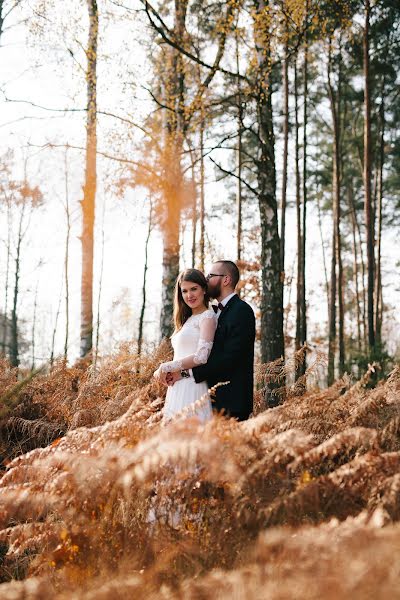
[{"x": 221, "y": 365}]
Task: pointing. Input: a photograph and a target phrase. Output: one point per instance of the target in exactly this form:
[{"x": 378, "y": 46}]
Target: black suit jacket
[{"x": 231, "y": 359}]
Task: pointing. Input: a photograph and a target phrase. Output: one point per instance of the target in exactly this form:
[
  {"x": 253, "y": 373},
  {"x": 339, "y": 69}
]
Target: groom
[{"x": 232, "y": 355}]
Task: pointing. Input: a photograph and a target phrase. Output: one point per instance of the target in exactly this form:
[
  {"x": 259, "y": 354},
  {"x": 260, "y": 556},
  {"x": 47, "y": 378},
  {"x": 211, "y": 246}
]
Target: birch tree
[{"x": 89, "y": 188}]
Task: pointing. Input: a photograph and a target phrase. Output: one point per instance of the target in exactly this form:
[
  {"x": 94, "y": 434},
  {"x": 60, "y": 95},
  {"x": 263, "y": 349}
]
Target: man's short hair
[{"x": 231, "y": 269}]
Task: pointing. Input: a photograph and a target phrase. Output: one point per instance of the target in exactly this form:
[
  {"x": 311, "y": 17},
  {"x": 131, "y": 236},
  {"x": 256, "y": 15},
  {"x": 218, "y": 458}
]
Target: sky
[{"x": 41, "y": 64}]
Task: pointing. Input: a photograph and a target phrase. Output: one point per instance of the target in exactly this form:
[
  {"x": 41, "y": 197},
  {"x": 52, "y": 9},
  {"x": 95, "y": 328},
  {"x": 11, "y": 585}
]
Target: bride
[{"x": 192, "y": 341}]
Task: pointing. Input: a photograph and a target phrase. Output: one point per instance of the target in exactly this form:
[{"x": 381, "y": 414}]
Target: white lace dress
[{"x": 192, "y": 346}]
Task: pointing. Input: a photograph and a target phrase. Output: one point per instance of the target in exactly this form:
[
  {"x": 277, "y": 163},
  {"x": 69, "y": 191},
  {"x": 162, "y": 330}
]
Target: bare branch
[
  {"x": 161, "y": 30},
  {"x": 249, "y": 187}
]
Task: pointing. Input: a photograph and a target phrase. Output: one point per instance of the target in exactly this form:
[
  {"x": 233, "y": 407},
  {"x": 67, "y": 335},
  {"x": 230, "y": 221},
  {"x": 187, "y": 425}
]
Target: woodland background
[{"x": 139, "y": 139}]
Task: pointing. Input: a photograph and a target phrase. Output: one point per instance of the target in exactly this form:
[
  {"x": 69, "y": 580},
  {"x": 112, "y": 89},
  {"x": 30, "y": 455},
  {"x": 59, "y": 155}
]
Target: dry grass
[{"x": 301, "y": 501}]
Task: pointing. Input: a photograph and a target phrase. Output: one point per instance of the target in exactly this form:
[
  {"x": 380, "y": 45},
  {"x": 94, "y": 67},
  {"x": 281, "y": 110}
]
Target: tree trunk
[
  {"x": 332, "y": 313},
  {"x": 239, "y": 158},
  {"x": 34, "y": 328},
  {"x": 285, "y": 77},
  {"x": 5, "y": 337},
  {"x": 202, "y": 193},
  {"x": 363, "y": 291},
  {"x": 336, "y": 181},
  {"x": 322, "y": 247},
  {"x": 96, "y": 352},
  {"x": 298, "y": 215},
  {"x": 175, "y": 125},
  {"x": 14, "y": 346},
  {"x": 355, "y": 263},
  {"x": 369, "y": 224},
  {"x": 66, "y": 258},
  {"x": 89, "y": 190},
  {"x": 53, "y": 337},
  {"x": 378, "y": 275},
  {"x": 194, "y": 209},
  {"x": 146, "y": 254},
  {"x": 272, "y": 341},
  {"x": 303, "y": 326}
]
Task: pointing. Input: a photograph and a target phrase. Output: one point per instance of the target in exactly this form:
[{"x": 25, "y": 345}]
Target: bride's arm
[{"x": 200, "y": 357}]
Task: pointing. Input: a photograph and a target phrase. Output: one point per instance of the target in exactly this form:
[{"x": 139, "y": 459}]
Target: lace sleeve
[{"x": 208, "y": 325}]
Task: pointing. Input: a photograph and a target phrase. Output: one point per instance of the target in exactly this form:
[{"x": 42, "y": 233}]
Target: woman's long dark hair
[{"x": 181, "y": 310}]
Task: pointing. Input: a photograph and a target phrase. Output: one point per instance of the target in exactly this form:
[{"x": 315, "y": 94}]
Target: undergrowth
[{"x": 100, "y": 500}]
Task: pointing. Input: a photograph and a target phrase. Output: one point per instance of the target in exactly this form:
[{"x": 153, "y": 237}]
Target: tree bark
[
  {"x": 174, "y": 129},
  {"x": 332, "y": 313},
  {"x": 146, "y": 254},
  {"x": 34, "y": 328},
  {"x": 96, "y": 352},
  {"x": 303, "y": 326},
  {"x": 202, "y": 192},
  {"x": 239, "y": 157},
  {"x": 14, "y": 345},
  {"x": 336, "y": 180},
  {"x": 369, "y": 224},
  {"x": 89, "y": 190},
  {"x": 5, "y": 337},
  {"x": 378, "y": 274},
  {"x": 53, "y": 337},
  {"x": 66, "y": 258},
  {"x": 285, "y": 78},
  {"x": 298, "y": 215},
  {"x": 272, "y": 341},
  {"x": 355, "y": 264},
  {"x": 194, "y": 213}
]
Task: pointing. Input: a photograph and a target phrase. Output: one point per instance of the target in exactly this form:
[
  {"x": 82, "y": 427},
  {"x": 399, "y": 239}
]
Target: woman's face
[{"x": 192, "y": 294}]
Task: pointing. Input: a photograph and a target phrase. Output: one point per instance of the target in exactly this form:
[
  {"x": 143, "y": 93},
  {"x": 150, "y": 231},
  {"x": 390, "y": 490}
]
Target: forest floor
[{"x": 98, "y": 500}]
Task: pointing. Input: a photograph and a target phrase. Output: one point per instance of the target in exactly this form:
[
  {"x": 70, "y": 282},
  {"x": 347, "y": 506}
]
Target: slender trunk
[
  {"x": 239, "y": 158},
  {"x": 89, "y": 190},
  {"x": 202, "y": 193},
  {"x": 332, "y": 313},
  {"x": 146, "y": 254},
  {"x": 369, "y": 224},
  {"x": 272, "y": 342},
  {"x": 5, "y": 332},
  {"x": 34, "y": 328},
  {"x": 285, "y": 77},
  {"x": 378, "y": 275},
  {"x": 298, "y": 214},
  {"x": 66, "y": 258},
  {"x": 14, "y": 345},
  {"x": 303, "y": 324},
  {"x": 363, "y": 288},
  {"x": 1, "y": 17},
  {"x": 96, "y": 353},
  {"x": 53, "y": 337},
  {"x": 355, "y": 263},
  {"x": 194, "y": 216},
  {"x": 336, "y": 181},
  {"x": 322, "y": 247}
]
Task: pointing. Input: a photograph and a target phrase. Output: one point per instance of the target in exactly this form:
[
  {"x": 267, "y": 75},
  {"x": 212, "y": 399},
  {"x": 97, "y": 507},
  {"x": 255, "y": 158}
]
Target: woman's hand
[{"x": 160, "y": 376}]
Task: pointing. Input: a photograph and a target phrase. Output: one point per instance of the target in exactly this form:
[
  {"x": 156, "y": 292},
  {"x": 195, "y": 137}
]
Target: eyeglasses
[{"x": 215, "y": 275}]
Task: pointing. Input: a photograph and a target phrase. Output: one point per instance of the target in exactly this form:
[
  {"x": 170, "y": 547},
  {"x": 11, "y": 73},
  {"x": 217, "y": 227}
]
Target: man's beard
[{"x": 215, "y": 291}]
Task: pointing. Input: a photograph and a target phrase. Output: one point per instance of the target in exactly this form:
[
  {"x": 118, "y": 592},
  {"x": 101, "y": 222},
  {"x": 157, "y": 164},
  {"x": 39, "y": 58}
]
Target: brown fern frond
[{"x": 339, "y": 449}]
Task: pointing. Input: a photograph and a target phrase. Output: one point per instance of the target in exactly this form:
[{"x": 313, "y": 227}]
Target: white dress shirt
[{"x": 225, "y": 301}]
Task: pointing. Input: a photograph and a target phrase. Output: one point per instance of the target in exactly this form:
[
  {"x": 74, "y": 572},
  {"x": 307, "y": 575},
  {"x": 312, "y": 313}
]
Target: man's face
[{"x": 215, "y": 278}]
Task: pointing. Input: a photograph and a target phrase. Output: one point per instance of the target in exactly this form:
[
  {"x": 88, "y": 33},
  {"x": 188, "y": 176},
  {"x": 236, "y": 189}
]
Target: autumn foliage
[{"x": 299, "y": 501}]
